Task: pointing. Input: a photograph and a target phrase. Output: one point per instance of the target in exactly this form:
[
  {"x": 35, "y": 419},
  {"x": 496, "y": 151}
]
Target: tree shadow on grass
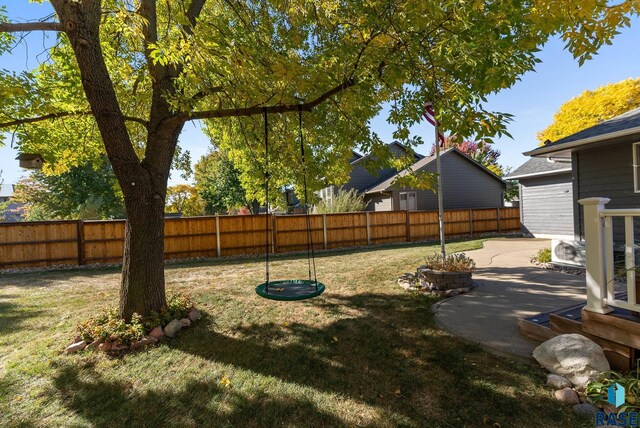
[
  {"x": 389, "y": 357},
  {"x": 13, "y": 315},
  {"x": 110, "y": 404}
]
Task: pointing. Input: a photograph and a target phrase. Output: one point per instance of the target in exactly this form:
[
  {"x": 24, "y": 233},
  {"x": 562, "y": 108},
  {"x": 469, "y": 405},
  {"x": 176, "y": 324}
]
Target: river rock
[
  {"x": 75, "y": 347},
  {"x": 172, "y": 328},
  {"x": 557, "y": 382},
  {"x": 157, "y": 333},
  {"x": 194, "y": 315},
  {"x": 567, "y": 396},
  {"x": 585, "y": 410}
]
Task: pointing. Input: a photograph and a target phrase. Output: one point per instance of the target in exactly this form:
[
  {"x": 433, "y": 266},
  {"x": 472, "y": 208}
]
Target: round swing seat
[{"x": 290, "y": 289}]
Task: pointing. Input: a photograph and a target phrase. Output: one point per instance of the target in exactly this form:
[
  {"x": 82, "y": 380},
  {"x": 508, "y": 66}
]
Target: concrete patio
[{"x": 509, "y": 287}]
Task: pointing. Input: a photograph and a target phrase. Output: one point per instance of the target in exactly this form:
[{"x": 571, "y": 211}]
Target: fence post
[
  {"x": 368, "y": 229},
  {"x": 595, "y": 252},
  {"x": 499, "y": 226},
  {"x": 324, "y": 230},
  {"x": 274, "y": 233},
  {"x": 218, "y": 249},
  {"x": 471, "y": 223},
  {"x": 80, "y": 235},
  {"x": 408, "y": 225}
]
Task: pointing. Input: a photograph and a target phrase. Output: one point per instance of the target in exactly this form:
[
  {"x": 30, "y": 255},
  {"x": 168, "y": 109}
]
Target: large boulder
[{"x": 572, "y": 356}]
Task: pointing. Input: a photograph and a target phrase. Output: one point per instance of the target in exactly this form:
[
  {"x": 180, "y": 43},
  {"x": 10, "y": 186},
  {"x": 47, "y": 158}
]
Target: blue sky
[{"x": 532, "y": 101}]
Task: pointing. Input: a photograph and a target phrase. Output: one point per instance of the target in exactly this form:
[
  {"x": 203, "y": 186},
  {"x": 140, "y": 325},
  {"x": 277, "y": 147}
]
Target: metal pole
[{"x": 439, "y": 191}]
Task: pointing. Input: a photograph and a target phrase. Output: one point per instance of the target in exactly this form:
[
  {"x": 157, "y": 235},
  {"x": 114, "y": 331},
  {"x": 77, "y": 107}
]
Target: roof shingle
[{"x": 538, "y": 166}]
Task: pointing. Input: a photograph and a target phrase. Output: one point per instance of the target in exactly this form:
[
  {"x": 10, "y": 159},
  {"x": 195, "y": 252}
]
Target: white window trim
[
  {"x": 407, "y": 205},
  {"x": 636, "y": 185}
]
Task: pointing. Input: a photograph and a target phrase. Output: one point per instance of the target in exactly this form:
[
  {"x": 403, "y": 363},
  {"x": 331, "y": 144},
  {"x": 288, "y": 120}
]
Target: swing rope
[
  {"x": 266, "y": 199},
  {"x": 311, "y": 257},
  {"x": 288, "y": 289}
]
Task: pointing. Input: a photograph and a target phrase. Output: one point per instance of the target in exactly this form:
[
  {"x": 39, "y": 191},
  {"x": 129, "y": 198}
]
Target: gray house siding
[
  {"x": 361, "y": 178},
  {"x": 379, "y": 202},
  {"x": 546, "y": 205},
  {"x": 464, "y": 185},
  {"x": 606, "y": 172}
]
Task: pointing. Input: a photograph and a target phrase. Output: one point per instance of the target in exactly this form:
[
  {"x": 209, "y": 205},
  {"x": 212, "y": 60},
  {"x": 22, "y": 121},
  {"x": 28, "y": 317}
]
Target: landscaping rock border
[
  {"x": 116, "y": 347},
  {"x": 565, "y": 391},
  {"x": 442, "y": 280},
  {"x": 560, "y": 268},
  {"x": 437, "y": 283}
]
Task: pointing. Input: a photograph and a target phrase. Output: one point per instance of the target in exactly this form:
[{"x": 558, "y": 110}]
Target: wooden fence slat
[
  {"x": 80, "y": 239},
  {"x": 63, "y": 242}
]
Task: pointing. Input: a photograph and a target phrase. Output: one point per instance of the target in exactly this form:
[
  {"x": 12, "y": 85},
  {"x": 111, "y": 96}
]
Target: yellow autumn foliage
[{"x": 592, "y": 107}]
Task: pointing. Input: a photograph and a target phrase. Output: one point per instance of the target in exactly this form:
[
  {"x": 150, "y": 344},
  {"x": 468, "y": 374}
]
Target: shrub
[
  {"x": 178, "y": 306},
  {"x": 597, "y": 390},
  {"x": 344, "y": 201},
  {"x": 108, "y": 326},
  {"x": 451, "y": 263},
  {"x": 543, "y": 256}
]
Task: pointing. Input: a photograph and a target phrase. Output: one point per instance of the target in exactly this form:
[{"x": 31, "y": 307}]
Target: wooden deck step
[
  {"x": 543, "y": 326},
  {"x": 535, "y": 331},
  {"x": 539, "y": 327}
]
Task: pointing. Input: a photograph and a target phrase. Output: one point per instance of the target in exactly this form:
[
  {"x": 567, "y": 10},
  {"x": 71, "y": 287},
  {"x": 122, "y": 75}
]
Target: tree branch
[
  {"x": 62, "y": 114},
  {"x": 195, "y": 8},
  {"x": 17, "y": 27},
  {"x": 204, "y": 93},
  {"x": 278, "y": 108}
]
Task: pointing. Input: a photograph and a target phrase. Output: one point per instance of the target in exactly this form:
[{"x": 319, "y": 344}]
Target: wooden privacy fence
[{"x": 80, "y": 242}]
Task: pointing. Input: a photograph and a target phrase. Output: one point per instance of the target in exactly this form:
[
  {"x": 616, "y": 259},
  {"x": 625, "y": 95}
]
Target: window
[
  {"x": 408, "y": 200},
  {"x": 636, "y": 165}
]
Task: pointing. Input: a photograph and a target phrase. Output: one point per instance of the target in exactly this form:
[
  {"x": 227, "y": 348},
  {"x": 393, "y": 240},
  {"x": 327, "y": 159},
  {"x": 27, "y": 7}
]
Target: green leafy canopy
[{"x": 250, "y": 54}]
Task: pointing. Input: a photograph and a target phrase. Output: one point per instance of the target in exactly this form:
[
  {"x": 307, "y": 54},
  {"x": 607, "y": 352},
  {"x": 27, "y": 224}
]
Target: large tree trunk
[
  {"x": 142, "y": 288},
  {"x": 143, "y": 182}
]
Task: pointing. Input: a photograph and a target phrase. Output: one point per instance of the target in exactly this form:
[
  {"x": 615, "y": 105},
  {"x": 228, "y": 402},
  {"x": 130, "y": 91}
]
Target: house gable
[
  {"x": 428, "y": 164},
  {"x": 361, "y": 178}
]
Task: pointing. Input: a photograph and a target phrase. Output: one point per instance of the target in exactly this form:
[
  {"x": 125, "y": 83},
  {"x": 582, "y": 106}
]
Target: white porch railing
[{"x": 598, "y": 235}]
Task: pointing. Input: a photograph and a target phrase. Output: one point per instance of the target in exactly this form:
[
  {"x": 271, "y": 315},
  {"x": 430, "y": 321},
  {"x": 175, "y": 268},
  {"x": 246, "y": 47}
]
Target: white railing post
[
  {"x": 595, "y": 253},
  {"x": 630, "y": 260}
]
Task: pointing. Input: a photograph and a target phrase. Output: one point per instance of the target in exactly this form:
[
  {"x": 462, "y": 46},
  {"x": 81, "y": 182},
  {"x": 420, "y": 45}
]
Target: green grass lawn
[{"x": 365, "y": 353}]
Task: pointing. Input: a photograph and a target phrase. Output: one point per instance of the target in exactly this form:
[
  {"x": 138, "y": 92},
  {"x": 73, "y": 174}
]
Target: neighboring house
[
  {"x": 546, "y": 197},
  {"x": 465, "y": 184},
  {"x": 361, "y": 178},
  {"x": 605, "y": 160},
  {"x": 13, "y": 210},
  {"x": 6, "y": 192}
]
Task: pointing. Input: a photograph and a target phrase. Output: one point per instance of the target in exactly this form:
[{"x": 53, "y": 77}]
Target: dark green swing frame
[
  {"x": 289, "y": 289},
  {"x": 315, "y": 289}
]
